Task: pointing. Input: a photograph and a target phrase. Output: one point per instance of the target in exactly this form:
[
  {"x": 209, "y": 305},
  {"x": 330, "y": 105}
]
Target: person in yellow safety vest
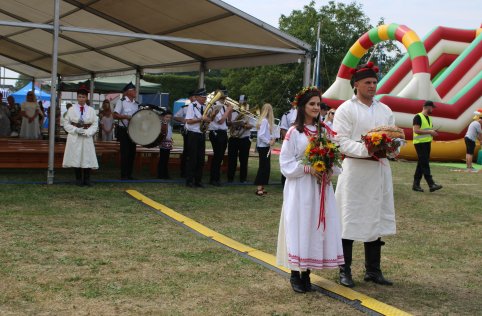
[{"x": 423, "y": 134}]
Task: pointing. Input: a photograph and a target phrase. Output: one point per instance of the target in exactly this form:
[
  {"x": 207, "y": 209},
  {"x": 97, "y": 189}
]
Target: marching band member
[
  {"x": 180, "y": 116},
  {"x": 218, "y": 135},
  {"x": 239, "y": 144},
  {"x": 124, "y": 109},
  {"x": 195, "y": 139},
  {"x": 81, "y": 124}
]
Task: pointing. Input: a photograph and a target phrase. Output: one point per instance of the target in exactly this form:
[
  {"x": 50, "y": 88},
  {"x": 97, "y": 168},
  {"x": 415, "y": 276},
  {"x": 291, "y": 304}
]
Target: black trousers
[
  {"x": 423, "y": 164},
  {"x": 264, "y": 166},
  {"x": 163, "y": 165},
  {"x": 196, "y": 149},
  {"x": 127, "y": 153},
  {"x": 238, "y": 147},
  {"x": 219, "y": 141},
  {"x": 184, "y": 153}
]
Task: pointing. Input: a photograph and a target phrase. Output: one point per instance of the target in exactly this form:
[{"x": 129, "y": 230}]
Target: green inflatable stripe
[
  {"x": 439, "y": 74},
  {"x": 459, "y": 59},
  {"x": 466, "y": 89},
  {"x": 373, "y": 35},
  {"x": 416, "y": 49},
  {"x": 392, "y": 28},
  {"x": 392, "y": 70},
  {"x": 350, "y": 60}
]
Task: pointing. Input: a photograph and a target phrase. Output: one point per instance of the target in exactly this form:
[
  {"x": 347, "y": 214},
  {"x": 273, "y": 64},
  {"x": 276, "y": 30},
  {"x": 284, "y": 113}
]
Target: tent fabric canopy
[
  {"x": 21, "y": 95},
  {"x": 192, "y": 33}
]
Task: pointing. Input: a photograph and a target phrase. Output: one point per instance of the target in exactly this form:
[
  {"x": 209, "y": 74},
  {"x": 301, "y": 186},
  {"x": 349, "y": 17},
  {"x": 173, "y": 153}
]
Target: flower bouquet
[
  {"x": 384, "y": 141},
  {"x": 322, "y": 155}
]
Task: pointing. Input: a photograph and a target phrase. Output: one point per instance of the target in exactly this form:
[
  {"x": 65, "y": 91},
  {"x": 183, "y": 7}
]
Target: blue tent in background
[{"x": 21, "y": 94}]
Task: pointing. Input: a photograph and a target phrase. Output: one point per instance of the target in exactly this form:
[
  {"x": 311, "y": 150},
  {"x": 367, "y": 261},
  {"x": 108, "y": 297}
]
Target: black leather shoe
[
  {"x": 417, "y": 188},
  {"x": 215, "y": 183},
  {"x": 305, "y": 278},
  {"x": 377, "y": 277},
  {"x": 435, "y": 187},
  {"x": 297, "y": 284},
  {"x": 346, "y": 278},
  {"x": 199, "y": 185}
]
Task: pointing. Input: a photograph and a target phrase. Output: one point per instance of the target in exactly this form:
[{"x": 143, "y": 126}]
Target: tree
[{"x": 341, "y": 25}]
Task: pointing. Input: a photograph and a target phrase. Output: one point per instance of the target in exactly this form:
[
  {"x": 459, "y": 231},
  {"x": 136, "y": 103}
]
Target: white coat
[
  {"x": 80, "y": 150},
  {"x": 364, "y": 191}
]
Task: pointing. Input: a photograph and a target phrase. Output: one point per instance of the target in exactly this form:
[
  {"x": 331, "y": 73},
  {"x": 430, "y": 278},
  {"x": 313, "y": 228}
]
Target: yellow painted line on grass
[{"x": 269, "y": 259}]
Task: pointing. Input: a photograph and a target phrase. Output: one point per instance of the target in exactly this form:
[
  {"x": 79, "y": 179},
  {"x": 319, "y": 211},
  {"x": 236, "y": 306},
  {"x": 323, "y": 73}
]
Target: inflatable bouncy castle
[{"x": 446, "y": 67}]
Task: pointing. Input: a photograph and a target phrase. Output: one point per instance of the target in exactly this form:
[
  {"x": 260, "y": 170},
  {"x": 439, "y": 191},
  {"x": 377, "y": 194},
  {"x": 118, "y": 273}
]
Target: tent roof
[{"x": 157, "y": 36}]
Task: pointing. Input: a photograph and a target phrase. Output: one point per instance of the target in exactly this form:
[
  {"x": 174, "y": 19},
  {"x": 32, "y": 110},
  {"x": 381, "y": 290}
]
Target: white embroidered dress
[
  {"x": 301, "y": 244},
  {"x": 80, "y": 150}
]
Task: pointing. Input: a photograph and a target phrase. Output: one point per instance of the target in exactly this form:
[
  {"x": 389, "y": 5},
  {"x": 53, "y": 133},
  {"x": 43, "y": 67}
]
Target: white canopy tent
[{"x": 82, "y": 39}]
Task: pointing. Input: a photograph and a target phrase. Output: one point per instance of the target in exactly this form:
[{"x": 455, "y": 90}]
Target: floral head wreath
[{"x": 302, "y": 92}]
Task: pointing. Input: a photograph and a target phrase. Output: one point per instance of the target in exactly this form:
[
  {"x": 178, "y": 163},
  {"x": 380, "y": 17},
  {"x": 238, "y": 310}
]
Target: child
[
  {"x": 107, "y": 122},
  {"x": 165, "y": 146},
  {"x": 81, "y": 123}
]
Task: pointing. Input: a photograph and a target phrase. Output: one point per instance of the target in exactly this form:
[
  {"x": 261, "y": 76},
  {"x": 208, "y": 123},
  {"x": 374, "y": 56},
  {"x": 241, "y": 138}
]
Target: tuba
[{"x": 207, "y": 110}]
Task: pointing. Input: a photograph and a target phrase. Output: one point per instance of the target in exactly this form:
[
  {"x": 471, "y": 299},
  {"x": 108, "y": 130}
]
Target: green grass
[{"x": 70, "y": 250}]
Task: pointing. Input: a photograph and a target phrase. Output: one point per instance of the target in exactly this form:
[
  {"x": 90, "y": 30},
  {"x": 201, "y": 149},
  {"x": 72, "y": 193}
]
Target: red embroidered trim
[{"x": 307, "y": 262}]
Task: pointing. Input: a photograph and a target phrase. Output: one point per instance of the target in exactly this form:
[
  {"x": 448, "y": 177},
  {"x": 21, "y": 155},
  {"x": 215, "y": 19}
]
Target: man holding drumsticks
[{"x": 123, "y": 111}]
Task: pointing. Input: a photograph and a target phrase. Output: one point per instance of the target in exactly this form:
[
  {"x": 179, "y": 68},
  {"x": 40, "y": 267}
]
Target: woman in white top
[
  {"x": 474, "y": 133},
  {"x": 30, "y": 112},
  {"x": 307, "y": 239},
  {"x": 264, "y": 141}
]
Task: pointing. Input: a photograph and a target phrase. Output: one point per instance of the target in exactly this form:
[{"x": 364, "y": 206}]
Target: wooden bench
[{"x": 34, "y": 154}]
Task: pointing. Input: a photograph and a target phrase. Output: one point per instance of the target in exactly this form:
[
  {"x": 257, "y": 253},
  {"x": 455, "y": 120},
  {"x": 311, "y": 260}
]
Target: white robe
[
  {"x": 80, "y": 150},
  {"x": 301, "y": 244},
  {"x": 364, "y": 191}
]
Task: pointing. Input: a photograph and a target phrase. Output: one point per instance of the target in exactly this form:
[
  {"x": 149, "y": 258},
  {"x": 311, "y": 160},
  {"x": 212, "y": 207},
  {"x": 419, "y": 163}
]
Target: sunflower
[{"x": 319, "y": 166}]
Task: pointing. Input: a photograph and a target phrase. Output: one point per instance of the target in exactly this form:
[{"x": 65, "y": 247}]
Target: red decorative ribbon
[
  {"x": 321, "y": 217},
  {"x": 330, "y": 132}
]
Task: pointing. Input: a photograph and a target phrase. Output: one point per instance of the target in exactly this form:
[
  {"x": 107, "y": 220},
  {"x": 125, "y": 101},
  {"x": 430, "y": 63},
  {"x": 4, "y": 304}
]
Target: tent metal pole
[
  {"x": 91, "y": 89},
  {"x": 138, "y": 83},
  {"x": 33, "y": 84},
  {"x": 202, "y": 74},
  {"x": 53, "y": 92},
  {"x": 307, "y": 70}
]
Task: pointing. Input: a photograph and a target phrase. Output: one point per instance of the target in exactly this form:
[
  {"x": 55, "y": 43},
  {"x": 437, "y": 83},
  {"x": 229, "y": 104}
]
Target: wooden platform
[{"x": 33, "y": 154}]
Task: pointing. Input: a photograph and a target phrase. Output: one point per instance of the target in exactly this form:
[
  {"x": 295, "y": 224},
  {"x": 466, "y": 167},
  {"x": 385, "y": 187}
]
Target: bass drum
[{"x": 145, "y": 128}]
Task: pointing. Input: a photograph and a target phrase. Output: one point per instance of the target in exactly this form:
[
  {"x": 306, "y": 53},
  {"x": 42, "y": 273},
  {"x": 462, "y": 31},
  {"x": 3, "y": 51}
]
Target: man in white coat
[{"x": 364, "y": 192}]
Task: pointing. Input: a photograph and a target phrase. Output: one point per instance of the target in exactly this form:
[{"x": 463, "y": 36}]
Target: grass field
[{"x": 68, "y": 250}]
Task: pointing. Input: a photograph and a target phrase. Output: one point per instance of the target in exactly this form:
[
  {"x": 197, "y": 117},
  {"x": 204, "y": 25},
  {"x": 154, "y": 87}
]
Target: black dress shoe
[
  {"x": 297, "y": 284},
  {"x": 215, "y": 183},
  {"x": 435, "y": 187},
  {"x": 417, "y": 188},
  {"x": 345, "y": 277},
  {"x": 377, "y": 277},
  {"x": 199, "y": 185}
]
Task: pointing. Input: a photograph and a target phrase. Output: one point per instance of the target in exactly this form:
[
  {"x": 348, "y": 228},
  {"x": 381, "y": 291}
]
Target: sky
[{"x": 419, "y": 15}]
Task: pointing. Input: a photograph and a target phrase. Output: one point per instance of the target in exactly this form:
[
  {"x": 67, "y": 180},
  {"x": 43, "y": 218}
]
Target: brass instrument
[
  {"x": 204, "y": 125},
  {"x": 237, "y": 127}
]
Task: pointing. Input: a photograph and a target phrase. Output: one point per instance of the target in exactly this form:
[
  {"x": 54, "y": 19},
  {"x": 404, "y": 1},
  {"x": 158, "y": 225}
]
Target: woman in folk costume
[
  {"x": 303, "y": 244},
  {"x": 81, "y": 124}
]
